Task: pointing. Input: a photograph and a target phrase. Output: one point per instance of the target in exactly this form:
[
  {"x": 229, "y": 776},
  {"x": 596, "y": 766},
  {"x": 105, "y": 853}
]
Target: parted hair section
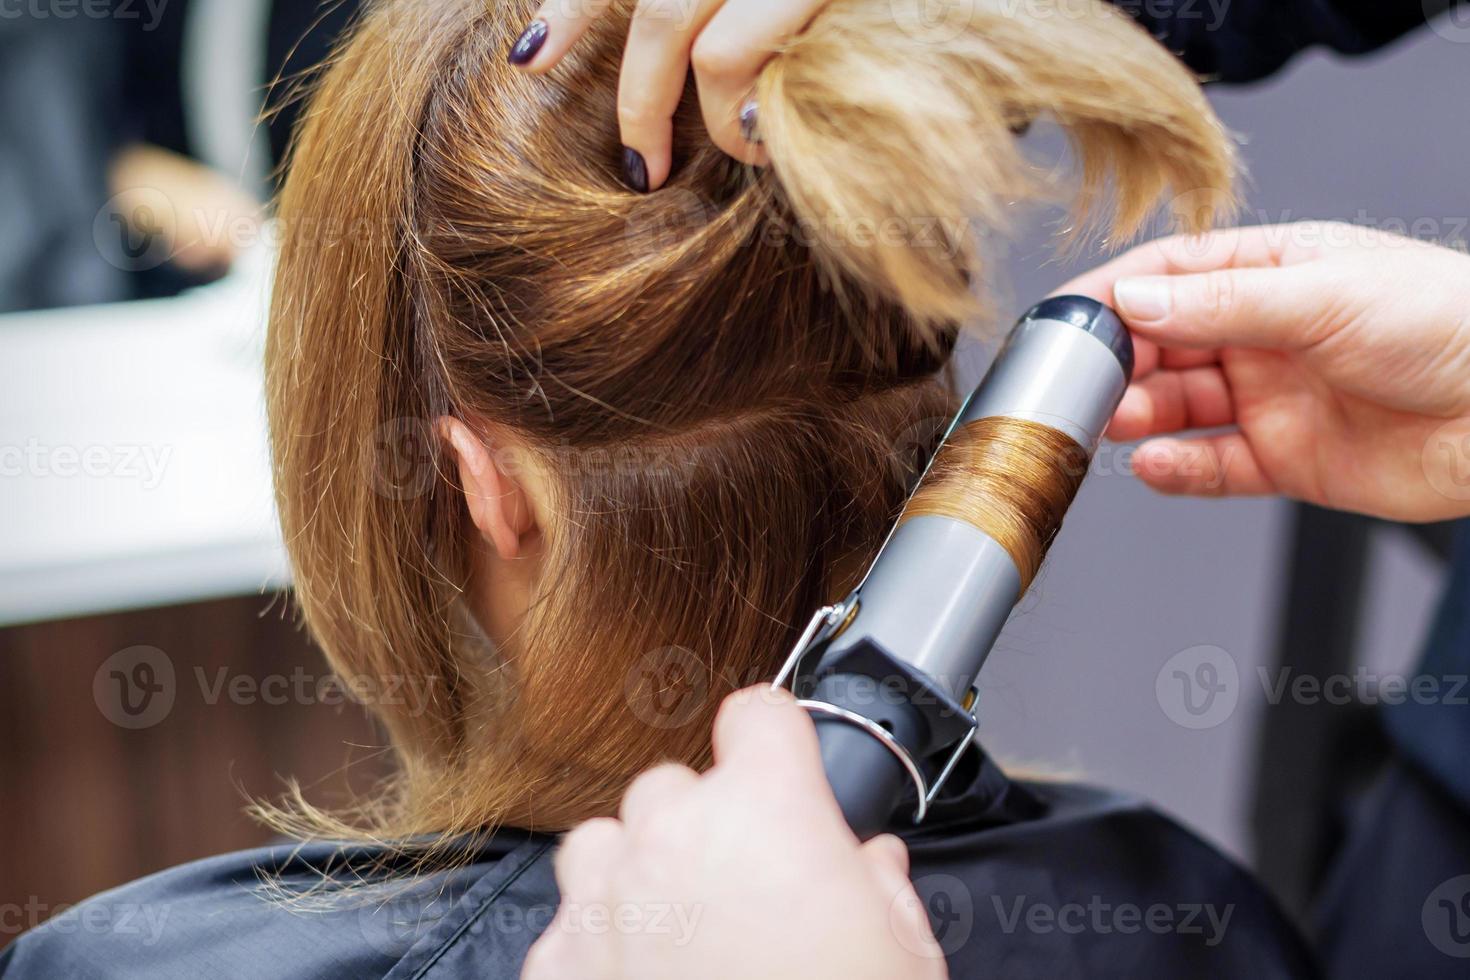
[{"x": 727, "y": 392}]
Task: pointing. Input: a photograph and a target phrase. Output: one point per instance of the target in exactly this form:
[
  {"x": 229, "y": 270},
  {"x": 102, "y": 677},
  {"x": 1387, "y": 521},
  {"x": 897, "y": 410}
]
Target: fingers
[
  {"x": 654, "y": 790},
  {"x": 763, "y": 729},
  {"x": 888, "y": 858},
  {"x": 584, "y": 857},
  {"x": 727, "y": 42},
  {"x": 1172, "y": 401},
  {"x": 889, "y": 851},
  {"x": 1273, "y": 309},
  {"x": 729, "y": 55},
  {"x": 557, "y": 25},
  {"x": 1213, "y": 466},
  {"x": 1268, "y": 246},
  {"x": 1244, "y": 287},
  {"x": 655, "y": 65}
]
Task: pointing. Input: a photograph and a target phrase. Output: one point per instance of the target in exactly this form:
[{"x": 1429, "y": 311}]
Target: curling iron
[{"x": 888, "y": 674}]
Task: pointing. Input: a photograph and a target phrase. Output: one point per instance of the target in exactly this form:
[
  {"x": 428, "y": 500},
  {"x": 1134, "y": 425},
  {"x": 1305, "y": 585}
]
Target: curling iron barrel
[{"x": 889, "y": 673}]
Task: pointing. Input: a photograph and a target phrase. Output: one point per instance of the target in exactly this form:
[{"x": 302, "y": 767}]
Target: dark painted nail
[
  {"x": 749, "y": 122},
  {"x": 529, "y": 43},
  {"x": 635, "y": 170}
]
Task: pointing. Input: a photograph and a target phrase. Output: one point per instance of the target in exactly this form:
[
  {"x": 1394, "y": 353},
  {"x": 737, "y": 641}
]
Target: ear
[{"x": 498, "y": 504}]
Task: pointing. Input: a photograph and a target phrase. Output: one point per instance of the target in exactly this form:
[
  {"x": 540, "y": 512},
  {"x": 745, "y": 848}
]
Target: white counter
[{"x": 134, "y": 468}]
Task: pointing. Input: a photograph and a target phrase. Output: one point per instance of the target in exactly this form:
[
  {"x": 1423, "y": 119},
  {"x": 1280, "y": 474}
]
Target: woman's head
[{"x": 581, "y": 460}]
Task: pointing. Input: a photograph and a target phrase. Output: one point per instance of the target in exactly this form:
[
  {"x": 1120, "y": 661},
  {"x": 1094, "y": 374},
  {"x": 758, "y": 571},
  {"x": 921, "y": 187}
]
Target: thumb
[
  {"x": 762, "y": 731},
  {"x": 1272, "y": 308}
]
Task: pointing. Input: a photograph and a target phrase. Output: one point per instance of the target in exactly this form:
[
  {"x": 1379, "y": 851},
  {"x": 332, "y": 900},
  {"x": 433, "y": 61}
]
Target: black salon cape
[
  {"x": 1022, "y": 880},
  {"x": 1247, "y": 40}
]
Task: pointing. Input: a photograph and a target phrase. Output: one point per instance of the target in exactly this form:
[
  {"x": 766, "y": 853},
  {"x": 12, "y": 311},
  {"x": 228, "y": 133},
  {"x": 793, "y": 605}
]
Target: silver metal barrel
[{"x": 924, "y": 619}]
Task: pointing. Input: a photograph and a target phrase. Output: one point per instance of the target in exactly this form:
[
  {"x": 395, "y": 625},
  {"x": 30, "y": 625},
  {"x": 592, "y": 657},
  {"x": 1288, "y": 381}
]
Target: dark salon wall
[
  {"x": 106, "y": 779},
  {"x": 1136, "y": 579}
]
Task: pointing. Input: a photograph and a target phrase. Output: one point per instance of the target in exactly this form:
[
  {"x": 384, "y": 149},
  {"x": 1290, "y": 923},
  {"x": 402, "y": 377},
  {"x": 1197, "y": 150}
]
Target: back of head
[{"x": 722, "y": 380}]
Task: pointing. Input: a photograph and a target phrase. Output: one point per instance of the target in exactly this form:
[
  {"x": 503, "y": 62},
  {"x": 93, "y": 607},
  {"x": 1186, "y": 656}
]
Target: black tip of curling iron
[{"x": 1095, "y": 318}]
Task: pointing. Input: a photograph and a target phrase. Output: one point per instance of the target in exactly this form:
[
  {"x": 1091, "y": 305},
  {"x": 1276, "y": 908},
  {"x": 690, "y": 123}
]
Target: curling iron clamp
[{"x": 888, "y": 674}]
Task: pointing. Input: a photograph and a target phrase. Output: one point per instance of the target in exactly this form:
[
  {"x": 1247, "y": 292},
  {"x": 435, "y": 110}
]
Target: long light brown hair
[{"x": 718, "y": 377}]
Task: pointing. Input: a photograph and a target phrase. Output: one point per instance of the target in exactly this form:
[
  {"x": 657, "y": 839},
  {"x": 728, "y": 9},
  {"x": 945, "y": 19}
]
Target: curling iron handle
[
  {"x": 866, "y": 778},
  {"x": 865, "y": 775}
]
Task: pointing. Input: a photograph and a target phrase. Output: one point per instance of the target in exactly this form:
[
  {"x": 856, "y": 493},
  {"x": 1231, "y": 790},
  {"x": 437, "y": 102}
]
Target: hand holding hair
[
  {"x": 754, "y": 865},
  {"x": 724, "y": 42},
  {"x": 1340, "y": 356}
]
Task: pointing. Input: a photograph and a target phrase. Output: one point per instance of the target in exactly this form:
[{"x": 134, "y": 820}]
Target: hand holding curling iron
[
  {"x": 750, "y": 867},
  {"x": 1339, "y": 354}
]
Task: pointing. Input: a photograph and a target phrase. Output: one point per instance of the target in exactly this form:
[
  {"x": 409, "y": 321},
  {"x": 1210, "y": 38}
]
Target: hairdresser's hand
[
  {"x": 746, "y": 871},
  {"x": 725, "y": 41},
  {"x": 1340, "y": 355}
]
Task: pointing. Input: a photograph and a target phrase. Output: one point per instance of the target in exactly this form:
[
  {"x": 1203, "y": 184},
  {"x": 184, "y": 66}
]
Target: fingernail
[
  {"x": 635, "y": 170},
  {"x": 1146, "y": 298},
  {"x": 749, "y": 120},
  {"x": 529, "y": 43}
]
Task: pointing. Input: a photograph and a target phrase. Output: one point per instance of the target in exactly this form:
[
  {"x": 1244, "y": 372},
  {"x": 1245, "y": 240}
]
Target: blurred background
[{"x": 151, "y": 677}]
